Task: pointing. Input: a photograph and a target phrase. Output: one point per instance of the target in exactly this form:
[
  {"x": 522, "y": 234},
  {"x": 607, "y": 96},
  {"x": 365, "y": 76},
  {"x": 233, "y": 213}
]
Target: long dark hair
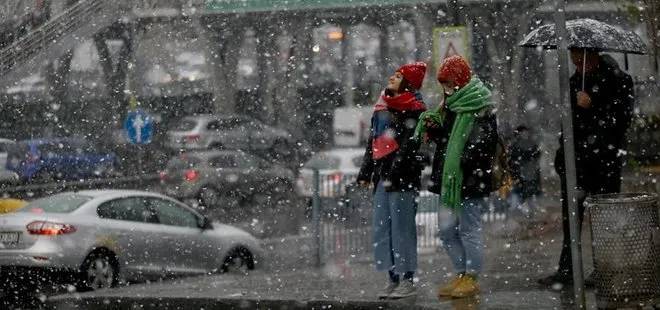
[{"x": 405, "y": 86}]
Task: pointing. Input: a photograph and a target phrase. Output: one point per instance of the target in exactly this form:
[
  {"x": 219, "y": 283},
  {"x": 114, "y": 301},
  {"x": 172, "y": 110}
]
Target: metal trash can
[{"x": 625, "y": 232}]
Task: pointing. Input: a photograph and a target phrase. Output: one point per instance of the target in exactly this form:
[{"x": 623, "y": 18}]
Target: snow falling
[{"x": 329, "y": 154}]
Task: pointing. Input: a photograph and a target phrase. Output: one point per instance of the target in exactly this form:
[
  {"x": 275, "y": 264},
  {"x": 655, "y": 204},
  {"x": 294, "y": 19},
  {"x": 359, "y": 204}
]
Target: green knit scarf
[{"x": 467, "y": 102}]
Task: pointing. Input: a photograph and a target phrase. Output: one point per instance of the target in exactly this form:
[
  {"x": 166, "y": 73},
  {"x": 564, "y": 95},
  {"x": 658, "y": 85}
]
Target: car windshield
[
  {"x": 185, "y": 125},
  {"x": 323, "y": 161},
  {"x": 62, "y": 203}
]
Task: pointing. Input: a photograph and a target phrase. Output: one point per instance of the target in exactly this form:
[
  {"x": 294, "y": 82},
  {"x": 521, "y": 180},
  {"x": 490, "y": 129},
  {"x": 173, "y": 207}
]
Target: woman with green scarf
[{"x": 464, "y": 129}]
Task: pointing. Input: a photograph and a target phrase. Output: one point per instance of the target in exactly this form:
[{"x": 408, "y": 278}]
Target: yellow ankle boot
[
  {"x": 445, "y": 291},
  {"x": 467, "y": 287}
]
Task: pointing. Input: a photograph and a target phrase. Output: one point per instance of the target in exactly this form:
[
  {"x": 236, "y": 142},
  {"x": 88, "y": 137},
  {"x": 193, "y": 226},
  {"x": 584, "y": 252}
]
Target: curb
[{"x": 154, "y": 303}]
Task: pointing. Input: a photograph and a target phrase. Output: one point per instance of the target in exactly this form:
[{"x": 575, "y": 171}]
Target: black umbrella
[{"x": 588, "y": 34}]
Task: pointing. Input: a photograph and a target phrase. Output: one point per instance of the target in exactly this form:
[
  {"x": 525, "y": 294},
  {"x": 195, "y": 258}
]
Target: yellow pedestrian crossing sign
[{"x": 451, "y": 50}]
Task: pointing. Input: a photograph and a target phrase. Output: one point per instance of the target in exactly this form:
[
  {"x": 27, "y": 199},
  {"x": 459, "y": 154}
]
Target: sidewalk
[{"x": 514, "y": 261}]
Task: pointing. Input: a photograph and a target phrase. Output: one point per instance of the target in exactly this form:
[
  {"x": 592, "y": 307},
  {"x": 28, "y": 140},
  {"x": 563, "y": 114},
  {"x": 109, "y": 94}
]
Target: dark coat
[
  {"x": 478, "y": 155},
  {"x": 599, "y": 132},
  {"x": 403, "y": 168},
  {"x": 524, "y": 163}
]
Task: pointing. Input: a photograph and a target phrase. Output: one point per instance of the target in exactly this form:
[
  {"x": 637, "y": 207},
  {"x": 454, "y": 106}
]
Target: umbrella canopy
[{"x": 588, "y": 34}]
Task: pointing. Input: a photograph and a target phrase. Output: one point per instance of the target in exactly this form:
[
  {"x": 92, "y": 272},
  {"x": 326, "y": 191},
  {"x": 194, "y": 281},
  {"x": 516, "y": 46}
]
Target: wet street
[{"x": 515, "y": 258}]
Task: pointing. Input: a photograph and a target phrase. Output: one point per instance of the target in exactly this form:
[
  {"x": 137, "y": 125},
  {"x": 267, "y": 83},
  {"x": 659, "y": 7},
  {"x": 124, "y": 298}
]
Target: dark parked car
[
  {"x": 235, "y": 132},
  {"x": 44, "y": 160},
  {"x": 221, "y": 179}
]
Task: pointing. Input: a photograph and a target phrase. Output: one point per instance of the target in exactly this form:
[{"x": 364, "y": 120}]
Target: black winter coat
[
  {"x": 599, "y": 131},
  {"x": 403, "y": 168},
  {"x": 524, "y": 163},
  {"x": 478, "y": 155}
]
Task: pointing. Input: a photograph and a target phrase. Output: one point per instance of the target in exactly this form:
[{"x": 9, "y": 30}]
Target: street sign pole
[
  {"x": 139, "y": 127},
  {"x": 140, "y": 170},
  {"x": 569, "y": 153},
  {"x": 316, "y": 217}
]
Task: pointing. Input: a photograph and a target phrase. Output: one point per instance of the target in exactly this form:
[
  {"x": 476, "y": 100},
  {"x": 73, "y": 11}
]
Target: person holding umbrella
[
  {"x": 596, "y": 117},
  {"x": 602, "y": 99}
]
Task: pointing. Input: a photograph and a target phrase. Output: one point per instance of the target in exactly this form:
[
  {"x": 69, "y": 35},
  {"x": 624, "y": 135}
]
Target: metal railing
[{"x": 342, "y": 219}]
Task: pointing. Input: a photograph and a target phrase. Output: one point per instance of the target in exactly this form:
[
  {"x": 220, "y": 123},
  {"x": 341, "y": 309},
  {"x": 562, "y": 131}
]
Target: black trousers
[{"x": 597, "y": 184}]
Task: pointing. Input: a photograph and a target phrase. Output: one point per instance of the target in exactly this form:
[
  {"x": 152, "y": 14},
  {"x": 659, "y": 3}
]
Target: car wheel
[
  {"x": 99, "y": 271},
  {"x": 239, "y": 260}
]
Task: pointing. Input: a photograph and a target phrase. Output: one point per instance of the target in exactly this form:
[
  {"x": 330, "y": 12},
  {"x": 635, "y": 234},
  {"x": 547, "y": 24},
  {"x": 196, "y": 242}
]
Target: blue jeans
[
  {"x": 395, "y": 232},
  {"x": 462, "y": 237}
]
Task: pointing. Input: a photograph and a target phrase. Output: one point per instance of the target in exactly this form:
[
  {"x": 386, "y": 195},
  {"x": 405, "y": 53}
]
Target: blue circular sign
[{"x": 139, "y": 127}]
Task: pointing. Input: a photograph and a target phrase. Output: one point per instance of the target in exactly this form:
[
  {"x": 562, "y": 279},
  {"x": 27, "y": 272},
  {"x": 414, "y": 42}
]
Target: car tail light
[
  {"x": 192, "y": 138},
  {"x": 191, "y": 175},
  {"x": 49, "y": 228}
]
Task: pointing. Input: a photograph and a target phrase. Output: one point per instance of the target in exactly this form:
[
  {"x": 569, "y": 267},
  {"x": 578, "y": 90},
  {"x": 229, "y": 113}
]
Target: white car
[
  {"x": 337, "y": 168},
  {"x": 103, "y": 237},
  {"x": 228, "y": 131},
  {"x": 351, "y": 125}
]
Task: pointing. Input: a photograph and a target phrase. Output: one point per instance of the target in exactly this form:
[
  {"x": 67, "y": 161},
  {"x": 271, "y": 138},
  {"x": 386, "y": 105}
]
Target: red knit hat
[
  {"x": 455, "y": 69},
  {"x": 414, "y": 73}
]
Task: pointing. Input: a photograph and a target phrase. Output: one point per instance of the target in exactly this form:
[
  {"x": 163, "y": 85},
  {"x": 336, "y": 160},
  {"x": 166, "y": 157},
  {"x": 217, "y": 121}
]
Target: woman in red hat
[
  {"x": 464, "y": 129},
  {"x": 393, "y": 165}
]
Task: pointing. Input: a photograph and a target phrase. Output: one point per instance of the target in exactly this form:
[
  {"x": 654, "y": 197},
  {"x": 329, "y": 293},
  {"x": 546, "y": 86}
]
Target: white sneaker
[
  {"x": 386, "y": 291},
  {"x": 405, "y": 289}
]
